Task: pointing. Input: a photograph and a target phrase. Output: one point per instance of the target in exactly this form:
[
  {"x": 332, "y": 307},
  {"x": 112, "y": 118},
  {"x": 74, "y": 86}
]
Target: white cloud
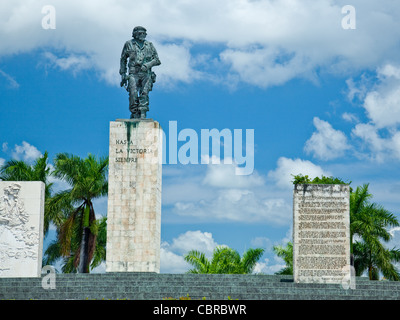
[
  {"x": 262, "y": 242},
  {"x": 177, "y": 65},
  {"x": 389, "y": 71},
  {"x": 350, "y": 117},
  {"x": 269, "y": 266},
  {"x": 272, "y": 263},
  {"x": 224, "y": 176},
  {"x": 355, "y": 91},
  {"x": 282, "y": 175},
  {"x": 235, "y": 205},
  {"x": 184, "y": 183},
  {"x": 261, "y": 42},
  {"x": 219, "y": 195},
  {"x": 171, "y": 262},
  {"x": 395, "y": 146},
  {"x": 172, "y": 253},
  {"x": 380, "y": 149},
  {"x": 394, "y": 230},
  {"x": 394, "y": 243},
  {"x": 235, "y": 198},
  {"x": 73, "y": 62},
  {"x": 26, "y": 152},
  {"x": 383, "y": 102},
  {"x": 326, "y": 143},
  {"x": 2, "y": 162},
  {"x": 380, "y": 138},
  {"x": 369, "y": 135},
  {"x": 11, "y": 82},
  {"x": 194, "y": 240},
  {"x": 259, "y": 67}
]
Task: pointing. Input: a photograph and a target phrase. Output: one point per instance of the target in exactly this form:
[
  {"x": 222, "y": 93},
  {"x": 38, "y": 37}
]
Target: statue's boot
[
  {"x": 134, "y": 109},
  {"x": 143, "y": 106}
]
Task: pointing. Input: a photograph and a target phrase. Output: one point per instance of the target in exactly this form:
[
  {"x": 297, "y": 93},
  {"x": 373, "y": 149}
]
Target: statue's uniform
[{"x": 140, "y": 82}]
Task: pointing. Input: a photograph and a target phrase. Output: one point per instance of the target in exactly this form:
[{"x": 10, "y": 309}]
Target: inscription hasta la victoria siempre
[{"x": 124, "y": 154}]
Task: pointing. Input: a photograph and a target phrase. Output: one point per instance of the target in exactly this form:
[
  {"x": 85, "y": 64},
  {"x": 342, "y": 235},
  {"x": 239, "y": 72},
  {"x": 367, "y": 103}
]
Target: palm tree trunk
[
  {"x": 370, "y": 265},
  {"x": 351, "y": 251},
  {"x": 370, "y": 272},
  {"x": 88, "y": 242},
  {"x": 83, "y": 256}
]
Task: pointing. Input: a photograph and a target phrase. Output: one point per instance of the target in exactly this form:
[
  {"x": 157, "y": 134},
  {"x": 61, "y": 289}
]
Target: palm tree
[
  {"x": 286, "y": 253},
  {"x": 358, "y": 202},
  {"x": 77, "y": 227},
  {"x": 370, "y": 223},
  {"x": 224, "y": 260},
  {"x": 375, "y": 260},
  {"x": 18, "y": 170},
  {"x": 53, "y": 251}
]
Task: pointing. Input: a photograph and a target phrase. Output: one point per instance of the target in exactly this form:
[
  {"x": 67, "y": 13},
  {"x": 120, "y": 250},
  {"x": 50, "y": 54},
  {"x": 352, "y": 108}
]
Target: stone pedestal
[
  {"x": 321, "y": 233},
  {"x": 21, "y": 228},
  {"x": 134, "y": 196}
]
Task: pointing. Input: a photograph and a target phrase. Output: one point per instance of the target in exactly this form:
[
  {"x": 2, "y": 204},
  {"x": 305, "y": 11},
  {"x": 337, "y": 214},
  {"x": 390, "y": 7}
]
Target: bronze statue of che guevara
[{"x": 138, "y": 78}]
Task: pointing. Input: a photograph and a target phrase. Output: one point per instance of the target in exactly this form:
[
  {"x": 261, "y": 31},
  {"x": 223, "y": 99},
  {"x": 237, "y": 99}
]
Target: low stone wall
[{"x": 149, "y": 286}]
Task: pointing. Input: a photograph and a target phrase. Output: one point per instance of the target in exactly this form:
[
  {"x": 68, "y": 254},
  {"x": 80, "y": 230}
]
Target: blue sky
[{"x": 320, "y": 98}]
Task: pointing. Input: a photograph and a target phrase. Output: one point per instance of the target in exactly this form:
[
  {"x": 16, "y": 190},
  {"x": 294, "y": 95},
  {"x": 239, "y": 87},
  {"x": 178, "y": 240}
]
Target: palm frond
[
  {"x": 250, "y": 258},
  {"x": 66, "y": 232},
  {"x": 52, "y": 253},
  {"x": 198, "y": 260},
  {"x": 16, "y": 170}
]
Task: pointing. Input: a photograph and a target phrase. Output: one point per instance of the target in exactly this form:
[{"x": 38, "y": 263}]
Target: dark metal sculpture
[{"x": 138, "y": 78}]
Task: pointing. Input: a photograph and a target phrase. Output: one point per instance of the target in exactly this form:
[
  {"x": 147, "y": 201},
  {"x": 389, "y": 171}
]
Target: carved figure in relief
[
  {"x": 12, "y": 211},
  {"x": 16, "y": 238}
]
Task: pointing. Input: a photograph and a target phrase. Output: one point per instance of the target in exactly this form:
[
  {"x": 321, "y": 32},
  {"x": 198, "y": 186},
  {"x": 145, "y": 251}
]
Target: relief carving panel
[{"x": 21, "y": 228}]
